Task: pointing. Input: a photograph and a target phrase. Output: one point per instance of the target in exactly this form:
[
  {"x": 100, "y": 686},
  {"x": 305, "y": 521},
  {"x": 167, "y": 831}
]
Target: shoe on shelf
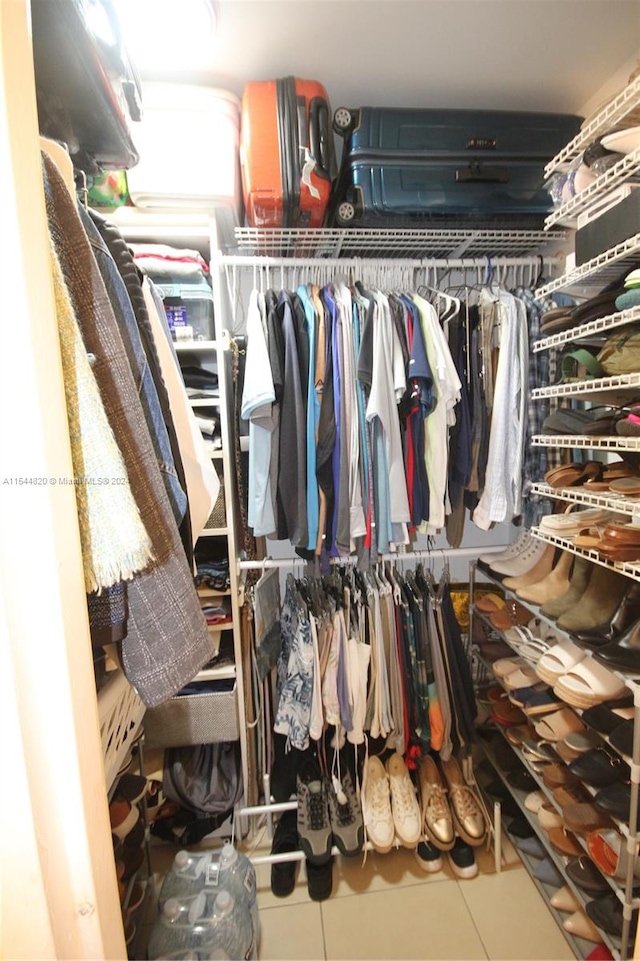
[
  {"x": 598, "y": 604},
  {"x": 565, "y": 900},
  {"x": 624, "y": 653},
  {"x": 407, "y": 818},
  {"x": 517, "y": 547},
  {"x": 581, "y": 926},
  {"x": 467, "y": 812},
  {"x": 428, "y": 857},
  {"x": 554, "y": 585},
  {"x": 520, "y": 563},
  {"x": 543, "y": 566},
  {"x": 123, "y": 817},
  {"x": 606, "y": 913},
  {"x": 314, "y": 825},
  {"x": 347, "y": 826},
  {"x": 132, "y": 787},
  {"x": 627, "y": 614},
  {"x": 462, "y": 860},
  {"x": 285, "y": 841},
  {"x": 578, "y": 583},
  {"x": 436, "y": 813},
  {"x": 376, "y": 806}
]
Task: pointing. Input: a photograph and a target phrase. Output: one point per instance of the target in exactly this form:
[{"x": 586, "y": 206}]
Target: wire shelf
[
  {"x": 391, "y": 243},
  {"x": 627, "y": 568},
  {"x": 577, "y": 441},
  {"x": 578, "y": 495},
  {"x": 592, "y": 276},
  {"x": 624, "y": 170},
  {"x": 612, "y": 389},
  {"x": 604, "y": 121},
  {"x": 601, "y": 324}
]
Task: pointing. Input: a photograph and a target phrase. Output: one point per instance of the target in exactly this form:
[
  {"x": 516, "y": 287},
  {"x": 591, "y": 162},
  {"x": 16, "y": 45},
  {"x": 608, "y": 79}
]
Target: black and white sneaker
[
  {"x": 428, "y": 857},
  {"x": 462, "y": 860},
  {"x": 314, "y": 825},
  {"x": 347, "y": 825}
]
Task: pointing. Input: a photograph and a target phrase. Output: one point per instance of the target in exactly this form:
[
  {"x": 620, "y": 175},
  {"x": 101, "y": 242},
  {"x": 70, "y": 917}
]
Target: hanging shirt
[
  {"x": 387, "y": 386},
  {"x": 313, "y": 416},
  {"x": 446, "y": 390},
  {"x": 502, "y": 495},
  {"x": 292, "y": 470},
  {"x": 357, "y": 525},
  {"x": 258, "y": 398}
]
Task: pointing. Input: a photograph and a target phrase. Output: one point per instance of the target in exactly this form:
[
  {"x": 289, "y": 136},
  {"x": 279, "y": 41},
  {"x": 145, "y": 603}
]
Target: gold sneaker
[
  {"x": 465, "y": 807},
  {"x": 437, "y": 820}
]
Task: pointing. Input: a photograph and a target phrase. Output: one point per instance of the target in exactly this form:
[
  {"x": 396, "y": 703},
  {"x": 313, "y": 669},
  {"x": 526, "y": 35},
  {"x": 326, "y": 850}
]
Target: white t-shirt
[{"x": 446, "y": 391}]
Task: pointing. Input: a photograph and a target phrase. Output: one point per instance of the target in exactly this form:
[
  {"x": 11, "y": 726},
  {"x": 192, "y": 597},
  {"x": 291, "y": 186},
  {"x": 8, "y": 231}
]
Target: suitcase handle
[
  {"x": 477, "y": 173},
  {"x": 319, "y": 134}
]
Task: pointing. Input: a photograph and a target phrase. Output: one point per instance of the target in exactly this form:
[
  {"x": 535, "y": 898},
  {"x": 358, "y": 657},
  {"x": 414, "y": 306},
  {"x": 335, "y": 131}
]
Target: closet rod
[
  {"x": 455, "y": 263},
  {"x": 434, "y": 554}
]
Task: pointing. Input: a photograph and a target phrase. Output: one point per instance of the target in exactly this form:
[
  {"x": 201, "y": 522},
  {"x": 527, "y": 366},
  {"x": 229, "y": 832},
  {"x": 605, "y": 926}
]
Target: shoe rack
[
  {"x": 585, "y": 281},
  {"x": 620, "y": 948}
]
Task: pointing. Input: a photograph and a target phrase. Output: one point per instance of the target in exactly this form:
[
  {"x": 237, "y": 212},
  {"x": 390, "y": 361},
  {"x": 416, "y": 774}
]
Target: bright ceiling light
[{"x": 168, "y": 35}]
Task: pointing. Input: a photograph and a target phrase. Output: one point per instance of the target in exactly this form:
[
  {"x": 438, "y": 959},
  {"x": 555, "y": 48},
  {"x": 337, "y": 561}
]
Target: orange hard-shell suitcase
[{"x": 286, "y": 153}]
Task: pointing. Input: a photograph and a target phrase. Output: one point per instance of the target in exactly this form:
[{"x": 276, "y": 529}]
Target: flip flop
[{"x": 488, "y": 603}]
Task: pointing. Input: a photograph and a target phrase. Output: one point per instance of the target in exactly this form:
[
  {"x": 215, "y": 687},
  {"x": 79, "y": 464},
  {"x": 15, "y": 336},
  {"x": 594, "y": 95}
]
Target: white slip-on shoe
[
  {"x": 376, "y": 806},
  {"x": 407, "y": 818}
]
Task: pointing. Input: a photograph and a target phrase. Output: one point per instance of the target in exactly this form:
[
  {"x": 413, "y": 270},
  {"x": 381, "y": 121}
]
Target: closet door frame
[{"x": 60, "y": 896}]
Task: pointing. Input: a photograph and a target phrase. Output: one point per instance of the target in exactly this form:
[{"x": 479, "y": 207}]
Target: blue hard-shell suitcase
[{"x": 404, "y": 166}]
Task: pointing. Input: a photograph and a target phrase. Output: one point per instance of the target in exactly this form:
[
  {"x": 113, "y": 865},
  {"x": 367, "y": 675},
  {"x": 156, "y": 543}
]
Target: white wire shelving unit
[
  {"x": 614, "y": 390},
  {"x": 599, "y": 326},
  {"x": 624, "y": 170},
  {"x": 592, "y": 276},
  {"x": 618, "y": 443},
  {"x": 578, "y": 495},
  {"x": 607, "y": 119},
  {"x": 399, "y": 244},
  {"x": 628, "y": 568}
]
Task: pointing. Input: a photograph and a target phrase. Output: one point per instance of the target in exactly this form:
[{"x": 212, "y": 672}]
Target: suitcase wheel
[
  {"x": 343, "y": 121},
  {"x": 345, "y": 213}
]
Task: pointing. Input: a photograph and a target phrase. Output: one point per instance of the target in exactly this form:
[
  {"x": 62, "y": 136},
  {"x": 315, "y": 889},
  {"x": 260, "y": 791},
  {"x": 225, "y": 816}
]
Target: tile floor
[{"x": 389, "y": 908}]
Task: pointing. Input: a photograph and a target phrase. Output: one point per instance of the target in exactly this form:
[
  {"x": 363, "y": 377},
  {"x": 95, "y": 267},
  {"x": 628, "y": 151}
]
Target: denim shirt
[{"x": 140, "y": 370}]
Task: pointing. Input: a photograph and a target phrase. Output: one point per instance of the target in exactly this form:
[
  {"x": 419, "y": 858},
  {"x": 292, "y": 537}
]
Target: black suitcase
[
  {"x": 400, "y": 166},
  {"x": 87, "y": 88}
]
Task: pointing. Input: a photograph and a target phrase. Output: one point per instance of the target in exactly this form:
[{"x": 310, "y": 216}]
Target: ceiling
[{"x": 509, "y": 54}]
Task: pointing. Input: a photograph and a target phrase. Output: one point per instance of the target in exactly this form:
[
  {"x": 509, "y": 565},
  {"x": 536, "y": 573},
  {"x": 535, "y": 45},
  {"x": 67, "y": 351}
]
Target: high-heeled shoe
[
  {"x": 598, "y": 603},
  {"x": 623, "y": 654},
  {"x": 627, "y": 612}
]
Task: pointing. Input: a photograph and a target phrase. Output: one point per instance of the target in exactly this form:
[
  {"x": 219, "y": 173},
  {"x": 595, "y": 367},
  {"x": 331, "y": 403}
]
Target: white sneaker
[
  {"x": 521, "y": 563},
  {"x": 407, "y": 817},
  {"x": 376, "y": 806},
  {"x": 518, "y": 545}
]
